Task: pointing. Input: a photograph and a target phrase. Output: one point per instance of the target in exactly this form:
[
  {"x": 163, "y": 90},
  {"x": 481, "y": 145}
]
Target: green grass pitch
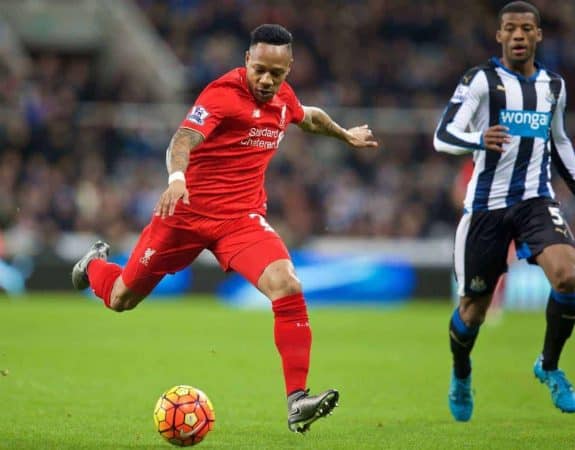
[{"x": 77, "y": 376}]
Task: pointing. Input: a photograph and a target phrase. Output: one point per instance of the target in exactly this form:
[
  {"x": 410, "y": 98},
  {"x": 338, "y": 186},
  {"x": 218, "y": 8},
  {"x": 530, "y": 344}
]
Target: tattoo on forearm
[
  {"x": 329, "y": 127},
  {"x": 319, "y": 122},
  {"x": 183, "y": 141}
]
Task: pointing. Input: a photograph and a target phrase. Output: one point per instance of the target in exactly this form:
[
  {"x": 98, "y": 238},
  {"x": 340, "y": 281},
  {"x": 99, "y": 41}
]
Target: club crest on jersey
[
  {"x": 550, "y": 97},
  {"x": 283, "y": 117},
  {"x": 257, "y": 113},
  {"x": 198, "y": 115},
  {"x": 460, "y": 94}
]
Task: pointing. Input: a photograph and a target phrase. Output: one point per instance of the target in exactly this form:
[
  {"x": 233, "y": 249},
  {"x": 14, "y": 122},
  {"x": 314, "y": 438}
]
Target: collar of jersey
[{"x": 497, "y": 62}]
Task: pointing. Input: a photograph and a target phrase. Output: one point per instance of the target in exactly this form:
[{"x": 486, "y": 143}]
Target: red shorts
[{"x": 246, "y": 245}]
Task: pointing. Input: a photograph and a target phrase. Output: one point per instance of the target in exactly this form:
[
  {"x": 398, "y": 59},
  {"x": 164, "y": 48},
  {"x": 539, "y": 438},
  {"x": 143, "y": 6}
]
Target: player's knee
[
  {"x": 563, "y": 279},
  {"x": 291, "y": 285},
  {"x": 117, "y": 303},
  {"x": 130, "y": 304},
  {"x": 279, "y": 280},
  {"x": 474, "y": 310},
  {"x": 283, "y": 284},
  {"x": 123, "y": 299},
  {"x": 474, "y": 318},
  {"x": 120, "y": 304}
]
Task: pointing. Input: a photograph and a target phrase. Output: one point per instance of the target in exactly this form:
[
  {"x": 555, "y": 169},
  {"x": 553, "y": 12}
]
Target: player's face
[
  {"x": 518, "y": 35},
  {"x": 267, "y": 67}
]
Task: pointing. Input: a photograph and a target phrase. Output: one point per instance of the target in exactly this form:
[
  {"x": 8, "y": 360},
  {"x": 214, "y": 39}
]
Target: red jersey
[{"x": 225, "y": 176}]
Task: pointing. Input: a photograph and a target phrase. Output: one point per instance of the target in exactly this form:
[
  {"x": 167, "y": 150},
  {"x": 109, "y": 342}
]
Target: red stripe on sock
[
  {"x": 292, "y": 335},
  {"x": 102, "y": 276}
]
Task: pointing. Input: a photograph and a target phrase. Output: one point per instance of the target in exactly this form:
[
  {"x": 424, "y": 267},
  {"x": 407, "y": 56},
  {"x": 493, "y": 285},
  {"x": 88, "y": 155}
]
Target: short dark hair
[
  {"x": 270, "y": 33},
  {"x": 520, "y": 7}
]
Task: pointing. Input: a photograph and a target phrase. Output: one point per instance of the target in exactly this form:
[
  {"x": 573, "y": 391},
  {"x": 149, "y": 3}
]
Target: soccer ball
[{"x": 184, "y": 415}]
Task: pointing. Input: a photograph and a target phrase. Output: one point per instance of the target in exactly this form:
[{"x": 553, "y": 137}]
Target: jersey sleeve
[
  {"x": 294, "y": 105},
  {"x": 562, "y": 153},
  {"x": 451, "y": 134},
  {"x": 210, "y": 108}
]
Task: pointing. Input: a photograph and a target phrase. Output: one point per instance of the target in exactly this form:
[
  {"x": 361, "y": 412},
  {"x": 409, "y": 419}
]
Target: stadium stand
[{"x": 82, "y": 134}]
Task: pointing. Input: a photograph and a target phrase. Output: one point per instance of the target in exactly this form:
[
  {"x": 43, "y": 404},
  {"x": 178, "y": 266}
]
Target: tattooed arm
[
  {"x": 178, "y": 152},
  {"x": 177, "y": 159},
  {"x": 317, "y": 121}
]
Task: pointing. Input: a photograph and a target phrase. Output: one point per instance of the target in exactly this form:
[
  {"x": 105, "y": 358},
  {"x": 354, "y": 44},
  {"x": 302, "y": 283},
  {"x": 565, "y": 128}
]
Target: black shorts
[{"x": 483, "y": 237}]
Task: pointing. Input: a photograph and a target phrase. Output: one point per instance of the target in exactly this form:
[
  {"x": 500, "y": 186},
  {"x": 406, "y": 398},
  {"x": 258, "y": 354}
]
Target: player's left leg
[
  {"x": 292, "y": 335},
  {"x": 544, "y": 238},
  {"x": 254, "y": 250},
  {"x": 558, "y": 262}
]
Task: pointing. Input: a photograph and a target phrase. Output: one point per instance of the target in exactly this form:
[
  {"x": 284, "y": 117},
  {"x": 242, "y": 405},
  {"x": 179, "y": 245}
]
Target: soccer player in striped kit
[{"x": 508, "y": 113}]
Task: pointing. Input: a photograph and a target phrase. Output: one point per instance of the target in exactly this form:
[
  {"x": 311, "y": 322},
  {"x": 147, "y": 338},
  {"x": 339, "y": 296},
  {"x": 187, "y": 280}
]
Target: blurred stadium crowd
[{"x": 59, "y": 174}]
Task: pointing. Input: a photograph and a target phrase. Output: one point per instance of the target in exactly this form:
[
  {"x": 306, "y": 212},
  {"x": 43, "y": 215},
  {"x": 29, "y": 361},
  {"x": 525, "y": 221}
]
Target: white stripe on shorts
[{"x": 459, "y": 252}]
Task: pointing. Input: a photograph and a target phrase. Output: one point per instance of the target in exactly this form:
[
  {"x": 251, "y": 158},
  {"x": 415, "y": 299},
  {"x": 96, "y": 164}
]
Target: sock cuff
[
  {"x": 289, "y": 305},
  {"x": 561, "y": 303},
  {"x": 559, "y": 297},
  {"x": 460, "y": 327},
  {"x": 95, "y": 264}
]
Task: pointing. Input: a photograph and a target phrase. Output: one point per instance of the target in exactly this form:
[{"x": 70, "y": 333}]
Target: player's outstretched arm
[
  {"x": 317, "y": 121},
  {"x": 177, "y": 159}
]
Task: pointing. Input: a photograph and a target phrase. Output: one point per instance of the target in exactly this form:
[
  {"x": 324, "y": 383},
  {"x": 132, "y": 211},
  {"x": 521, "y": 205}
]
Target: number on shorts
[
  {"x": 556, "y": 216},
  {"x": 263, "y": 222}
]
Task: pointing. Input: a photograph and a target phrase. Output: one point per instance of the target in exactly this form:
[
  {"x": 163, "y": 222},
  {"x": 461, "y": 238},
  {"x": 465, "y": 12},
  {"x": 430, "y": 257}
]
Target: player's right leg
[
  {"x": 100, "y": 250},
  {"x": 481, "y": 244},
  {"x": 463, "y": 330},
  {"x": 165, "y": 246},
  {"x": 93, "y": 270}
]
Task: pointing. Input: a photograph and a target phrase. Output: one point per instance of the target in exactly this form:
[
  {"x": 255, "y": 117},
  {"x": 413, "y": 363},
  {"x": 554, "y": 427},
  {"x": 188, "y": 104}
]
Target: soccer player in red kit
[{"x": 216, "y": 200}]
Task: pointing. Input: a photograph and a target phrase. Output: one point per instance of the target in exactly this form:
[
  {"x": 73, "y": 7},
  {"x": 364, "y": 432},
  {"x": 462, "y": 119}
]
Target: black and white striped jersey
[{"x": 533, "y": 111}]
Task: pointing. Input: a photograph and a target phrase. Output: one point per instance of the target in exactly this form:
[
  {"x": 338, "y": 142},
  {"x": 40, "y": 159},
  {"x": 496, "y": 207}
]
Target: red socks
[
  {"x": 293, "y": 339},
  {"x": 102, "y": 276}
]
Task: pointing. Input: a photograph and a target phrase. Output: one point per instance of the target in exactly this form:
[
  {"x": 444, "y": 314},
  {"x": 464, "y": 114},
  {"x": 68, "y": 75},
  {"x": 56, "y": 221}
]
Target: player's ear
[
  {"x": 498, "y": 36},
  {"x": 247, "y": 59},
  {"x": 539, "y": 35},
  {"x": 289, "y": 67}
]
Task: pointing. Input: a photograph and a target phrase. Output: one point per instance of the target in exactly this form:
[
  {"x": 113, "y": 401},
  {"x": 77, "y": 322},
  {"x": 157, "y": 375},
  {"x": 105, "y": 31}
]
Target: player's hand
[
  {"x": 494, "y": 138},
  {"x": 360, "y": 137},
  {"x": 167, "y": 204}
]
